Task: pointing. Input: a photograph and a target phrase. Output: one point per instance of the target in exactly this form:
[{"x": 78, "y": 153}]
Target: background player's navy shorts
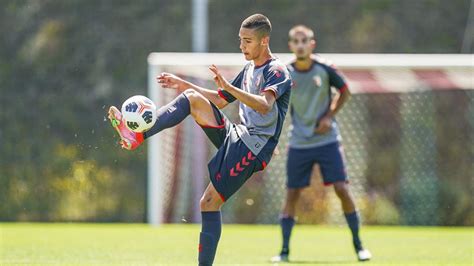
[
  {"x": 233, "y": 163},
  {"x": 301, "y": 161}
]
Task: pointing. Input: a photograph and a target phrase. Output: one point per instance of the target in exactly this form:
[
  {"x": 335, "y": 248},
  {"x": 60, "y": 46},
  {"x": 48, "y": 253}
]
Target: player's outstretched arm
[
  {"x": 261, "y": 103},
  {"x": 167, "y": 80}
]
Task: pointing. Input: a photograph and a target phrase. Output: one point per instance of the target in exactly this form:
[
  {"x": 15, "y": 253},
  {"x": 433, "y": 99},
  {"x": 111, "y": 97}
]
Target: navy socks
[
  {"x": 353, "y": 222},
  {"x": 209, "y": 237},
  {"x": 170, "y": 115},
  {"x": 287, "y": 224}
]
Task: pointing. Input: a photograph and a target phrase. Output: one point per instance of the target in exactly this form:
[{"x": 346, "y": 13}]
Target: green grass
[{"x": 137, "y": 244}]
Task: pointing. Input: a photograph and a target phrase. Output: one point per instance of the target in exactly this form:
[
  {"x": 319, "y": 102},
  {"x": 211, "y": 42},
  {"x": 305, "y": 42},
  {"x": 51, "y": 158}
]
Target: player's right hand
[
  {"x": 324, "y": 125},
  {"x": 171, "y": 81},
  {"x": 220, "y": 81}
]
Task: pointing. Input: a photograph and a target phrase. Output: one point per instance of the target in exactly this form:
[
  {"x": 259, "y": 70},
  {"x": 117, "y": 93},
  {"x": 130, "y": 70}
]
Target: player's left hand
[
  {"x": 220, "y": 81},
  {"x": 324, "y": 125}
]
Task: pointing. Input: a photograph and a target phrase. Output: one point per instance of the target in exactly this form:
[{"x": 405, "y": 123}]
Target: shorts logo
[
  {"x": 238, "y": 168},
  {"x": 218, "y": 177},
  {"x": 232, "y": 172},
  {"x": 250, "y": 157}
]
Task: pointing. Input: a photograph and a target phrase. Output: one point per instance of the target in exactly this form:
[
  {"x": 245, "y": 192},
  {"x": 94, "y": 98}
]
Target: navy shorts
[
  {"x": 301, "y": 161},
  {"x": 233, "y": 163}
]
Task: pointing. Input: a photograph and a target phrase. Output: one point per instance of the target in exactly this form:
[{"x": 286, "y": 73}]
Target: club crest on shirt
[
  {"x": 277, "y": 73},
  {"x": 317, "y": 80}
]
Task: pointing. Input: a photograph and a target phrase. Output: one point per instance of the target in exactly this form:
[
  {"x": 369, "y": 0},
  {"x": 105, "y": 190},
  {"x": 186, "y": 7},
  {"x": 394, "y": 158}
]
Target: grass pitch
[{"x": 138, "y": 244}]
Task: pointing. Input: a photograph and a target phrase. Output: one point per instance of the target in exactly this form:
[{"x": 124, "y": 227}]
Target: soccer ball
[{"x": 139, "y": 113}]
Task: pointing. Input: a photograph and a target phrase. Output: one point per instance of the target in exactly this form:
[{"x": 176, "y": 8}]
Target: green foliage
[
  {"x": 378, "y": 209},
  {"x": 366, "y": 26},
  {"x": 62, "y": 63}
]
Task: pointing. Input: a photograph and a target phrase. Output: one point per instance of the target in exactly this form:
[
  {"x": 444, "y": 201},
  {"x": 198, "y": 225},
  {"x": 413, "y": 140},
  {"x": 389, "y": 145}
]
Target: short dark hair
[
  {"x": 259, "y": 23},
  {"x": 301, "y": 29}
]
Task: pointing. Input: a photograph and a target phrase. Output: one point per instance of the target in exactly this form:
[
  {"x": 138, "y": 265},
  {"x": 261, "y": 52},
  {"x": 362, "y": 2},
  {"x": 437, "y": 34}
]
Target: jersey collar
[
  {"x": 306, "y": 70},
  {"x": 266, "y": 62}
]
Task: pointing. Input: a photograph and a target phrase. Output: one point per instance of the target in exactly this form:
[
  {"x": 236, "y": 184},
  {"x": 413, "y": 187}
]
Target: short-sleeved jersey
[
  {"x": 260, "y": 132},
  {"x": 310, "y": 100}
]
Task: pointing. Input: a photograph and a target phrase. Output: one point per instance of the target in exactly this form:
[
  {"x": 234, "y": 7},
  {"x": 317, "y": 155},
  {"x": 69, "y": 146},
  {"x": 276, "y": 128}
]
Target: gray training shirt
[
  {"x": 260, "y": 132},
  {"x": 310, "y": 100}
]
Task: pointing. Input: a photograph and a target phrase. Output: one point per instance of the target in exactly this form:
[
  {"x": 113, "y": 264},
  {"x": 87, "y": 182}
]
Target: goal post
[{"x": 410, "y": 89}]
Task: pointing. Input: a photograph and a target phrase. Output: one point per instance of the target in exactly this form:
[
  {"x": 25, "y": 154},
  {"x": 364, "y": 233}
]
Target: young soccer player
[
  {"x": 315, "y": 137},
  {"x": 263, "y": 90}
]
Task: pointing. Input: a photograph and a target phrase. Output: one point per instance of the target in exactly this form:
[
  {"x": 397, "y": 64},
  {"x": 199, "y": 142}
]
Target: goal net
[{"x": 407, "y": 134}]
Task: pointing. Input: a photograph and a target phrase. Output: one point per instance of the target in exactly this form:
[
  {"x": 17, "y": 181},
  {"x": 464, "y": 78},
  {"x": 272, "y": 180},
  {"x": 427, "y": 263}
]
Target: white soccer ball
[{"x": 139, "y": 113}]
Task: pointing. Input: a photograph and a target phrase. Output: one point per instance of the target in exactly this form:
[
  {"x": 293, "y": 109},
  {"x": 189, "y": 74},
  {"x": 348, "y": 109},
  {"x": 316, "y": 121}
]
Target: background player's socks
[
  {"x": 209, "y": 237},
  {"x": 170, "y": 115},
  {"x": 287, "y": 224},
  {"x": 353, "y": 222}
]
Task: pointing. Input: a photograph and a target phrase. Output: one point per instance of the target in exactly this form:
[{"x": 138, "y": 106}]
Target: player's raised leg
[
  {"x": 188, "y": 102},
  {"x": 352, "y": 217}
]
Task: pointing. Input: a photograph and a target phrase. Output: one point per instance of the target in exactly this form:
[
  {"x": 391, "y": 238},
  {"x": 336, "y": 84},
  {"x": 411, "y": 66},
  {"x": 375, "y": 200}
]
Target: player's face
[
  {"x": 251, "y": 44},
  {"x": 301, "y": 45}
]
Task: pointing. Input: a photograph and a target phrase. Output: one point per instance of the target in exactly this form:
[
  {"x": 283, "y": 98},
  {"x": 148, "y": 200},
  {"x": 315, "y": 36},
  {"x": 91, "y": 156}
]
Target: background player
[
  {"x": 263, "y": 89},
  {"x": 315, "y": 137}
]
